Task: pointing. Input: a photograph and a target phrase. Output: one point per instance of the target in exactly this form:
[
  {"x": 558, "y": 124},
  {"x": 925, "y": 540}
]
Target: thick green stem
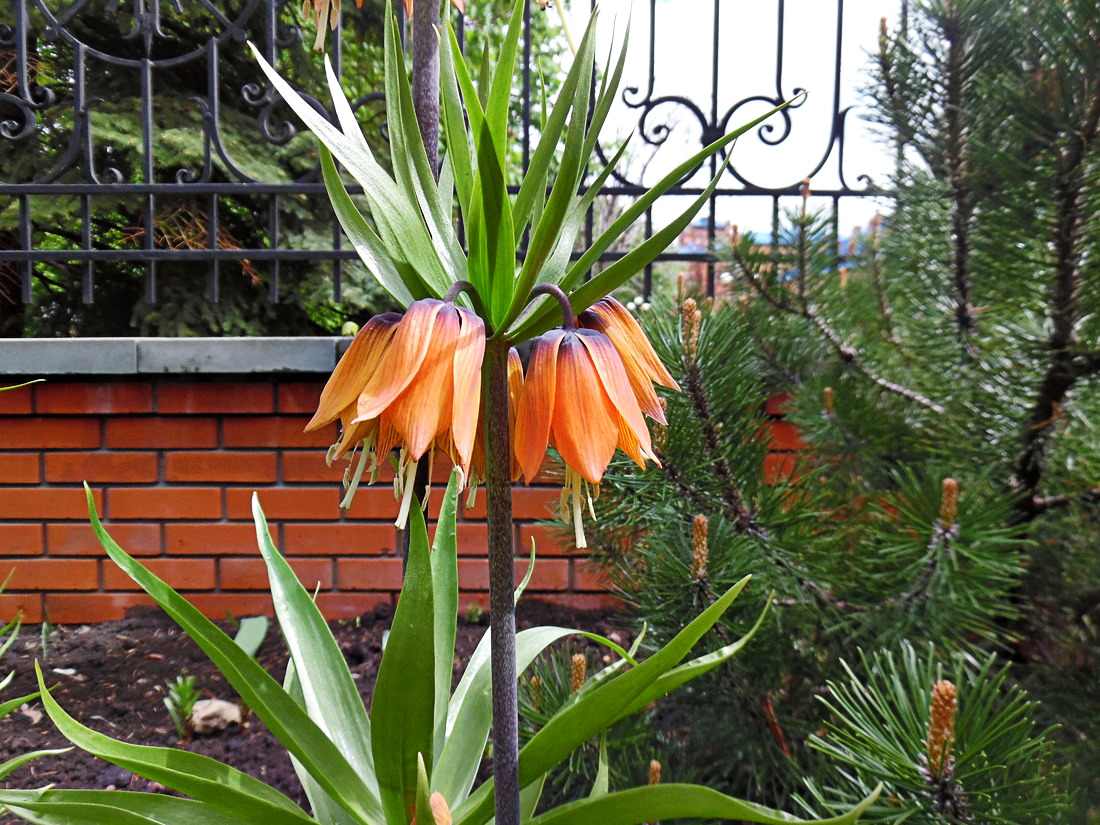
[{"x": 502, "y": 581}]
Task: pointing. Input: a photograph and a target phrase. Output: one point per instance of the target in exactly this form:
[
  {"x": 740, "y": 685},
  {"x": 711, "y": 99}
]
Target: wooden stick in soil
[{"x": 502, "y": 581}]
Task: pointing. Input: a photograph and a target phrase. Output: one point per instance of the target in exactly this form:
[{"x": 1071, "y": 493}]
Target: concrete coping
[{"x": 34, "y": 357}]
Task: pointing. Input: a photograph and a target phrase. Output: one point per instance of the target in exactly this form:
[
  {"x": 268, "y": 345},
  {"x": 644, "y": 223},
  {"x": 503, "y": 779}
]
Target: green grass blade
[
  {"x": 403, "y": 705},
  {"x": 15, "y": 763},
  {"x": 331, "y": 698}
]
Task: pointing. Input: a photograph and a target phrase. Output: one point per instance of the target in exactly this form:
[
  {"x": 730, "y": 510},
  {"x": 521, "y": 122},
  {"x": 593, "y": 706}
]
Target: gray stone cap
[{"x": 33, "y": 357}]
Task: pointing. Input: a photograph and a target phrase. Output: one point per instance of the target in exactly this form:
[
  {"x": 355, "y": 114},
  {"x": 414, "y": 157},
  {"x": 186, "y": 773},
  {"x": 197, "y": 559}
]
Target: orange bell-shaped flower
[
  {"x": 426, "y": 389},
  {"x": 413, "y": 382},
  {"x": 577, "y": 397},
  {"x": 643, "y": 367}
]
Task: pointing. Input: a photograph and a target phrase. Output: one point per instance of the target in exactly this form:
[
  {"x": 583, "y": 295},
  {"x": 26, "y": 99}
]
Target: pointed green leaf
[
  {"x": 653, "y": 803},
  {"x": 206, "y": 779},
  {"x": 403, "y": 288},
  {"x": 600, "y": 783},
  {"x": 454, "y": 124},
  {"x": 403, "y": 705},
  {"x": 331, "y": 698},
  {"x": 410, "y": 161},
  {"x": 325, "y": 808},
  {"x": 683, "y": 674},
  {"x": 566, "y": 183},
  {"x": 287, "y": 722},
  {"x": 88, "y": 807},
  {"x": 444, "y": 560},
  {"x": 17, "y": 762},
  {"x": 595, "y": 711},
  {"x": 500, "y": 94}
]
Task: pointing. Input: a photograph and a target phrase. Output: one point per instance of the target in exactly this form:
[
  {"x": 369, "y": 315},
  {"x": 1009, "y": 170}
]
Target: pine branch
[
  {"x": 847, "y": 353},
  {"x": 1064, "y": 369},
  {"x": 737, "y": 511},
  {"x": 962, "y": 205}
]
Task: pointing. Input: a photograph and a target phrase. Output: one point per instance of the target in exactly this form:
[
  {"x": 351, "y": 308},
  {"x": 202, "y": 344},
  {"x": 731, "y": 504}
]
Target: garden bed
[{"x": 113, "y": 677}]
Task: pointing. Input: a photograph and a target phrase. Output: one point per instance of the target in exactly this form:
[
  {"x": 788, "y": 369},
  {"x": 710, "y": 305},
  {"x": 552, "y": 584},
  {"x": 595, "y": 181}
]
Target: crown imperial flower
[
  {"x": 577, "y": 397},
  {"x": 413, "y": 382}
]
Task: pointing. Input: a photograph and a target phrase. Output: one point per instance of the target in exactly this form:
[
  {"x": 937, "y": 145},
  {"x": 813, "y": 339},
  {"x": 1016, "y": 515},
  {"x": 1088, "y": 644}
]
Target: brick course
[{"x": 173, "y": 464}]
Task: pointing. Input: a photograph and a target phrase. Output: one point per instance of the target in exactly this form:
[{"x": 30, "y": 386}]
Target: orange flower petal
[
  {"x": 536, "y": 407},
  {"x": 635, "y": 435},
  {"x": 585, "y": 426},
  {"x": 354, "y": 368},
  {"x": 629, "y": 330},
  {"x": 515, "y": 394},
  {"x": 468, "y": 354},
  {"x": 351, "y": 431},
  {"x": 403, "y": 358},
  {"x": 424, "y": 410}
]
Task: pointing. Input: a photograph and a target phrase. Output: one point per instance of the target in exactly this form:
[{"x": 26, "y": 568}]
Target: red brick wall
[{"x": 173, "y": 464}]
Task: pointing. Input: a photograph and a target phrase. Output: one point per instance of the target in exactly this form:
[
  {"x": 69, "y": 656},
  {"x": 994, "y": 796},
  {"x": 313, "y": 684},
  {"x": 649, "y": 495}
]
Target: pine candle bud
[
  {"x": 830, "y": 401},
  {"x": 804, "y": 189},
  {"x": 691, "y": 321},
  {"x": 654, "y": 772},
  {"x": 883, "y": 35},
  {"x": 941, "y": 727},
  {"x": 949, "y": 506},
  {"x": 579, "y": 672},
  {"x": 699, "y": 552}
]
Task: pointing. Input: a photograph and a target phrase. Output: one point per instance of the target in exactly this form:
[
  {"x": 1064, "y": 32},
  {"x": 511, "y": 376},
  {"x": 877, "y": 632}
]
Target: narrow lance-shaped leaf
[
  {"x": 403, "y": 705},
  {"x": 652, "y": 803},
  {"x": 282, "y": 715},
  {"x": 201, "y": 777},
  {"x": 595, "y": 711},
  {"x": 372, "y": 251},
  {"x": 92, "y": 807},
  {"x": 444, "y": 561},
  {"x": 331, "y": 696}
]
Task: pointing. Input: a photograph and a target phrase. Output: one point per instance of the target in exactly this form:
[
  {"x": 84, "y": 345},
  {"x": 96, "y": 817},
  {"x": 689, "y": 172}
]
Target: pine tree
[{"x": 942, "y": 369}]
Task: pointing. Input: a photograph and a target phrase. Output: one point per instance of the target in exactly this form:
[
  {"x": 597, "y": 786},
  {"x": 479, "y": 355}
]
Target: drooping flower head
[
  {"x": 577, "y": 397},
  {"x": 413, "y": 383}
]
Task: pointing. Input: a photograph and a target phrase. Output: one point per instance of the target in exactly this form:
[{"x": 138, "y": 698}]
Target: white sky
[{"x": 747, "y": 60}]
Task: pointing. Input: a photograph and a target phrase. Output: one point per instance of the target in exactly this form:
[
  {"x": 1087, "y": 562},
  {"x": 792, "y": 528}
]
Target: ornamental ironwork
[{"x": 137, "y": 133}]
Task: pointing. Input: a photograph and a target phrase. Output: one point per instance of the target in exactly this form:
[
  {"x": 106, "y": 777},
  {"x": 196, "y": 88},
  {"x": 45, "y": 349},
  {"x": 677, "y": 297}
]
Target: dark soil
[{"x": 112, "y": 677}]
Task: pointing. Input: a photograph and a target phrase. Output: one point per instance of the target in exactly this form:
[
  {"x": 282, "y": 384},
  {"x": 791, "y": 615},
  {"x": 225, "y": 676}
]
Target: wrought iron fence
[{"x": 137, "y": 137}]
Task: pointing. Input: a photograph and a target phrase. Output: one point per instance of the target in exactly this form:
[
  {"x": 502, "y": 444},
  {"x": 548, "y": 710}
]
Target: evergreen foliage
[{"x": 942, "y": 372}]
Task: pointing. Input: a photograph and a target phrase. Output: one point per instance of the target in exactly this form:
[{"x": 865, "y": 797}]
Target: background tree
[{"x": 942, "y": 371}]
